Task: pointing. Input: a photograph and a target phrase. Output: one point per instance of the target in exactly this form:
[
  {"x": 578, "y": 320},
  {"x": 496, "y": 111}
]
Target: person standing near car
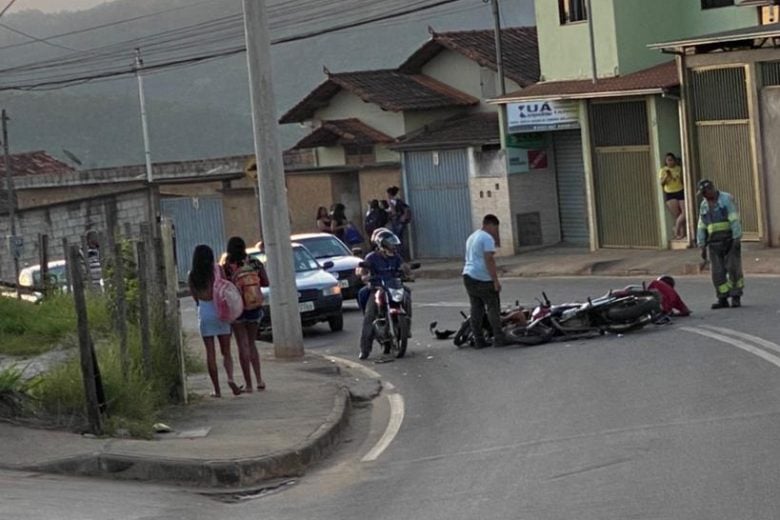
[
  {"x": 720, "y": 232},
  {"x": 480, "y": 277},
  {"x": 237, "y": 264}
]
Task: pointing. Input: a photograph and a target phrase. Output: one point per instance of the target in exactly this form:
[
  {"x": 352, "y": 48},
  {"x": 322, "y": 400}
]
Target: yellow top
[{"x": 671, "y": 179}]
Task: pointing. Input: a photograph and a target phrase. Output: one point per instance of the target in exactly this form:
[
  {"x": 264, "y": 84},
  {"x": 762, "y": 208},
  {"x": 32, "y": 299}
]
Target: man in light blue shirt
[{"x": 480, "y": 276}]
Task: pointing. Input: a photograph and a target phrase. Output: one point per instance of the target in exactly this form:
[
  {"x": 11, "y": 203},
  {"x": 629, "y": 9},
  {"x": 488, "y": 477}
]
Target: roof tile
[
  {"x": 659, "y": 77},
  {"x": 343, "y": 131},
  {"x": 34, "y": 163},
  {"x": 476, "y": 128}
]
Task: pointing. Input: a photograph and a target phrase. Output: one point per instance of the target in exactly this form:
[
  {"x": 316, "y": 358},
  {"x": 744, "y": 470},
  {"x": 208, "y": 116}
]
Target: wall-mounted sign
[{"x": 542, "y": 116}]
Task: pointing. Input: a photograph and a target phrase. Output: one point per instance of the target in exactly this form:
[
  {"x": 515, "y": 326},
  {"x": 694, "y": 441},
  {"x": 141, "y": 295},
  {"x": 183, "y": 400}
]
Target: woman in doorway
[
  {"x": 201, "y": 283},
  {"x": 323, "y": 220},
  {"x": 674, "y": 193},
  {"x": 245, "y": 327}
]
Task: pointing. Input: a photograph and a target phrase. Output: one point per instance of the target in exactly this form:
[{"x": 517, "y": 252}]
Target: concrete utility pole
[
  {"x": 502, "y": 118},
  {"x": 285, "y": 317},
  {"x": 592, "y": 38},
  {"x": 9, "y": 184},
  {"x": 151, "y": 213}
]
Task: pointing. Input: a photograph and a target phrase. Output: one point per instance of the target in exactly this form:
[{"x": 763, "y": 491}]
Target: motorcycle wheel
[
  {"x": 463, "y": 336},
  {"x": 632, "y": 309},
  {"x": 403, "y": 337},
  {"x": 526, "y": 336}
]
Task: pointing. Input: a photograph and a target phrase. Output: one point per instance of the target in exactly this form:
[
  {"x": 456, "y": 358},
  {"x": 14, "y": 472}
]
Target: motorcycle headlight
[
  {"x": 331, "y": 291},
  {"x": 397, "y": 295}
]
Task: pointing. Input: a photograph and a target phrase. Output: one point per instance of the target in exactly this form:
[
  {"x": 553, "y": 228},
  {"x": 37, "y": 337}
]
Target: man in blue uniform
[{"x": 720, "y": 230}]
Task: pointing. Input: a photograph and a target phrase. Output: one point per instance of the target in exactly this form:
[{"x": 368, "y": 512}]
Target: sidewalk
[
  {"x": 228, "y": 442},
  {"x": 572, "y": 261}
]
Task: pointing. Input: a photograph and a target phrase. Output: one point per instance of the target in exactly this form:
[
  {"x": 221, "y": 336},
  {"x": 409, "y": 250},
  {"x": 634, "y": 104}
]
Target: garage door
[
  {"x": 438, "y": 185},
  {"x": 197, "y": 221},
  {"x": 571, "y": 187}
]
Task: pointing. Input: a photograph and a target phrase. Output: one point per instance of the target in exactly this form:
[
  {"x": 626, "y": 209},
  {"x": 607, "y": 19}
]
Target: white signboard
[{"x": 539, "y": 116}]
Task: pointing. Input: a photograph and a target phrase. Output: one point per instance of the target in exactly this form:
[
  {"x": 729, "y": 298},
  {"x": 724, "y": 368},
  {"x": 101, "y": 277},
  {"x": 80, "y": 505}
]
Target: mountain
[{"x": 199, "y": 111}]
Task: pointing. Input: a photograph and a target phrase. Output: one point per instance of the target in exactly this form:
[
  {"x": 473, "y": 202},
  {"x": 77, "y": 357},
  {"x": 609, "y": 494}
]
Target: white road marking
[
  {"x": 735, "y": 342},
  {"x": 755, "y": 339},
  {"x": 464, "y": 305},
  {"x": 393, "y": 427},
  {"x": 397, "y": 408}
]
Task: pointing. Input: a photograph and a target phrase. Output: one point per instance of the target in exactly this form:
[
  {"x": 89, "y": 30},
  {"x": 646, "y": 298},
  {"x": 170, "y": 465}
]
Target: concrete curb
[{"x": 225, "y": 473}]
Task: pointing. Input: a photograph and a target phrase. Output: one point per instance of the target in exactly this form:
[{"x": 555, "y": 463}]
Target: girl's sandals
[
  {"x": 261, "y": 385},
  {"x": 237, "y": 390},
  {"x": 215, "y": 395}
]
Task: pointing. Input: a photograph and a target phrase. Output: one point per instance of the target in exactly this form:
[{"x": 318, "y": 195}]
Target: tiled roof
[
  {"x": 471, "y": 129},
  {"x": 655, "y": 79},
  {"x": 389, "y": 89},
  {"x": 343, "y": 131},
  {"x": 519, "y": 45},
  {"x": 34, "y": 163}
]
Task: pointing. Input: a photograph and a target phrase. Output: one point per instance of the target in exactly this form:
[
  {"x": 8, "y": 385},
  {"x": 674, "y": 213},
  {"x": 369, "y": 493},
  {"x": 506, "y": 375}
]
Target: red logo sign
[{"x": 537, "y": 159}]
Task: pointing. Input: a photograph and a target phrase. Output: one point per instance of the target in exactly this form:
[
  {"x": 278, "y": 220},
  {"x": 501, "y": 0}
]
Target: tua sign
[{"x": 530, "y": 116}]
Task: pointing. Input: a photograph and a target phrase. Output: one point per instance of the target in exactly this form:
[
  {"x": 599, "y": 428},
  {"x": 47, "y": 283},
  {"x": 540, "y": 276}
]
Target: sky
[{"x": 52, "y": 6}]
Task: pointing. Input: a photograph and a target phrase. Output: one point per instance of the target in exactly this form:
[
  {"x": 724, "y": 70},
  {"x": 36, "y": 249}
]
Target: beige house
[{"x": 370, "y": 130}]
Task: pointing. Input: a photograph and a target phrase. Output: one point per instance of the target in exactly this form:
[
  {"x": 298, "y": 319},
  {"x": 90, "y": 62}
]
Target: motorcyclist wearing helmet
[
  {"x": 363, "y": 273},
  {"x": 671, "y": 303},
  {"x": 382, "y": 264}
]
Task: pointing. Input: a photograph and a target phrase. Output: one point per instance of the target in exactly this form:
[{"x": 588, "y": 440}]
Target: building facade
[{"x": 606, "y": 113}]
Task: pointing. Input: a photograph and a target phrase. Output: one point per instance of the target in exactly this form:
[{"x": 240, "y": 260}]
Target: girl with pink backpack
[{"x": 213, "y": 299}]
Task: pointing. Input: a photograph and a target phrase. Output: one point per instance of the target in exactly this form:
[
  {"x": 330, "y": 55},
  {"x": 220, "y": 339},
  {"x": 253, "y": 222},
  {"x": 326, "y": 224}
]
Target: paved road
[{"x": 674, "y": 422}]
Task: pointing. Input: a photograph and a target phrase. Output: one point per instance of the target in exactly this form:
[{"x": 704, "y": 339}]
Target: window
[
  {"x": 356, "y": 154},
  {"x": 712, "y": 4},
  {"x": 770, "y": 15},
  {"x": 572, "y": 11}
]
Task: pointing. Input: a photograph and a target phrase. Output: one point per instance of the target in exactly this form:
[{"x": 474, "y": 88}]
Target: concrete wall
[
  {"x": 345, "y": 105},
  {"x": 564, "y": 50},
  {"x": 490, "y": 194},
  {"x": 665, "y": 126},
  {"x": 639, "y": 23},
  {"x": 70, "y": 220},
  {"x": 770, "y": 100},
  {"x": 305, "y": 193},
  {"x": 31, "y": 198},
  {"x": 330, "y": 156},
  {"x": 537, "y": 191},
  {"x": 623, "y": 29},
  {"x": 241, "y": 214},
  {"x": 375, "y": 181}
]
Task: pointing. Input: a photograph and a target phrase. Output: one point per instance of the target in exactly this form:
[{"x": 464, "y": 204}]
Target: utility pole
[
  {"x": 151, "y": 213},
  {"x": 285, "y": 317},
  {"x": 502, "y": 118},
  {"x": 592, "y": 38},
  {"x": 9, "y": 184}
]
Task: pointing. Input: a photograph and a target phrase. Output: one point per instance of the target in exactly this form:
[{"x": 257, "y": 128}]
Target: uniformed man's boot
[
  {"x": 722, "y": 303},
  {"x": 736, "y": 301}
]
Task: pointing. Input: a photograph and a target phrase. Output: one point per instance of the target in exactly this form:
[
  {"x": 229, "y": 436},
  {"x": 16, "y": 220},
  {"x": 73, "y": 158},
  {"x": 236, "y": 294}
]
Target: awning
[
  {"x": 654, "y": 80},
  {"x": 758, "y": 32}
]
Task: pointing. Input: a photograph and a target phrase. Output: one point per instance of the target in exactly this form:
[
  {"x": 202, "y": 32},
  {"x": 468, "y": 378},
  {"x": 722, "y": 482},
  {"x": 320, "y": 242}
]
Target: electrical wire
[
  {"x": 186, "y": 52},
  {"x": 7, "y": 7}
]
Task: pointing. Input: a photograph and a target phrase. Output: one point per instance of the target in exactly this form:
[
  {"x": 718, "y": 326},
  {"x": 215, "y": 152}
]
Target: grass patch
[{"x": 28, "y": 329}]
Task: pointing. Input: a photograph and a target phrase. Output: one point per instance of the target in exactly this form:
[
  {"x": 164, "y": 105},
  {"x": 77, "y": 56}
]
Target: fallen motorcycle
[
  {"x": 513, "y": 316},
  {"x": 616, "y": 312}
]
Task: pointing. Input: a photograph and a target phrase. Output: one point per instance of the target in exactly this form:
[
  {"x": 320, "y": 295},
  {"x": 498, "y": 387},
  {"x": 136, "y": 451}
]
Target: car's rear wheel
[{"x": 336, "y": 323}]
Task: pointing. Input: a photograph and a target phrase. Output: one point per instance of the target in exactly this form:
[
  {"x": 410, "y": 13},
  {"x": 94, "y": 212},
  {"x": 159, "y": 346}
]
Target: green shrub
[{"x": 29, "y": 329}]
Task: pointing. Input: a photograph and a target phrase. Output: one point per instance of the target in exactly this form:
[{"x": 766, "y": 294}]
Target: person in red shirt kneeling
[{"x": 671, "y": 303}]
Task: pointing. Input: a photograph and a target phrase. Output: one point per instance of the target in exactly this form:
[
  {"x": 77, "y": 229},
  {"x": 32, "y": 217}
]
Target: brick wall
[{"x": 71, "y": 220}]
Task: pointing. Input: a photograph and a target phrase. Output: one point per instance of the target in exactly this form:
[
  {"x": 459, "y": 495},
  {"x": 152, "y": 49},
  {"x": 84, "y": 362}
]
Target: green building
[{"x": 606, "y": 112}]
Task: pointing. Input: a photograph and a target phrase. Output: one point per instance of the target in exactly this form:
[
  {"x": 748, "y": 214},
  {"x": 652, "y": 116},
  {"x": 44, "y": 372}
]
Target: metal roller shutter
[
  {"x": 441, "y": 202},
  {"x": 571, "y": 187}
]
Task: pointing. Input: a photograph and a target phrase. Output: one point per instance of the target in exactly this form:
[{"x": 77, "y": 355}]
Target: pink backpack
[{"x": 227, "y": 298}]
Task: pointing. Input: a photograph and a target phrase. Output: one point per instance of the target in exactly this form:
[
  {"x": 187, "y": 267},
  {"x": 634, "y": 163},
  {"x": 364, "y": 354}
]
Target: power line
[
  {"x": 7, "y": 7},
  {"x": 35, "y": 38},
  {"x": 176, "y": 42}
]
